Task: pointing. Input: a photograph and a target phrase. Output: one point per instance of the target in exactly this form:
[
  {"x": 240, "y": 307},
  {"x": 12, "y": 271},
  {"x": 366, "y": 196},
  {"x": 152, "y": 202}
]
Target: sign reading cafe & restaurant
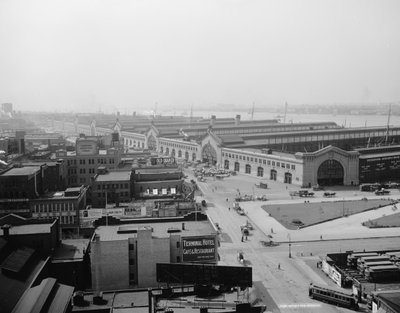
[{"x": 199, "y": 249}]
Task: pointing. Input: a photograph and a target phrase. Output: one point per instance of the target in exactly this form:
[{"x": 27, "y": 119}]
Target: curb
[{"x": 338, "y": 239}]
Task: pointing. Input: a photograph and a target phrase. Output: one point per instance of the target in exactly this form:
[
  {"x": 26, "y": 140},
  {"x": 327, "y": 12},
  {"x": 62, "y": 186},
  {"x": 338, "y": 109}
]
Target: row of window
[
  {"x": 68, "y": 219},
  {"x": 91, "y": 161},
  {"x": 53, "y": 207},
  {"x": 111, "y": 186},
  {"x": 13, "y": 194},
  {"x": 259, "y": 160},
  {"x": 181, "y": 146},
  {"x": 121, "y": 194}
]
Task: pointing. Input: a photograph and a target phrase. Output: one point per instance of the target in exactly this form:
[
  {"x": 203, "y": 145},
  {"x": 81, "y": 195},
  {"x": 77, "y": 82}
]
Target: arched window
[
  {"x": 273, "y": 175},
  {"x": 179, "y": 153},
  {"x": 237, "y": 166},
  {"x": 248, "y": 169},
  {"x": 260, "y": 171}
]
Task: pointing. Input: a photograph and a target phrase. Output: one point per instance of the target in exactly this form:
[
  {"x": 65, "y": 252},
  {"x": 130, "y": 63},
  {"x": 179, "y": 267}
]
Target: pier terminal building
[{"x": 304, "y": 154}]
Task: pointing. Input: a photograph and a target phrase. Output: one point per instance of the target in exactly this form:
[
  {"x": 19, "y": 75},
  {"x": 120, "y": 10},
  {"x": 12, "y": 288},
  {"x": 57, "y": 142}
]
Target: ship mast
[
  {"x": 387, "y": 124},
  {"x": 284, "y": 116}
]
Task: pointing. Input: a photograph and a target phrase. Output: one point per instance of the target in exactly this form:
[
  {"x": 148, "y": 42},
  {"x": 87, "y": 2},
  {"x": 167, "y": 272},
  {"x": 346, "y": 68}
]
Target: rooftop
[
  {"x": 160, "y": 230},
  {"x": 12, "y": 289},
  {"x": 48, "y": 296},
  {"x": 29, "y": 229},
  {"x": 22, "y": 171},
  {"x": 114, "y": 176}
]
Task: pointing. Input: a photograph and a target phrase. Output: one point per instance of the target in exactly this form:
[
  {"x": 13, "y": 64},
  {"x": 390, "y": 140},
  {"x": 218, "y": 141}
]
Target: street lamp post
[{"x": 290, "y": 247}]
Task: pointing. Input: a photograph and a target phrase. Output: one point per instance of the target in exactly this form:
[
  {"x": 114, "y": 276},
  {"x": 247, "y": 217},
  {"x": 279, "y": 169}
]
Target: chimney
[
  {"x": 212, "y": 121},
  {"x": 237, "y": 120},
  {"x": 6, "y": 230}
]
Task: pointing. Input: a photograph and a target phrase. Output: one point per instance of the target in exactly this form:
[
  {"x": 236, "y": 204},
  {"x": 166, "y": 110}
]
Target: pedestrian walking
[
  {"x": 229, "y": 208},
  {"x": 320, "y": 237},
  {"x": 279, "y": 266}
]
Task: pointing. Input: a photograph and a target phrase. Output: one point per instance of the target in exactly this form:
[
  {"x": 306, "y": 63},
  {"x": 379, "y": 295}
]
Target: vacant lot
[{"x": 305, "y": 214}]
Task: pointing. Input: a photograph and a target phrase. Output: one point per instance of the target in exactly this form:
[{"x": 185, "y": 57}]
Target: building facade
[
  {"x": 126, "y": 255},
  {"x": 111, "y": 187},
  {"x": 64, "y": 205}
]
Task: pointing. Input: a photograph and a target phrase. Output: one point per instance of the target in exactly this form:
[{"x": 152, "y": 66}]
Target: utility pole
[{"x": 290, "y": 246}]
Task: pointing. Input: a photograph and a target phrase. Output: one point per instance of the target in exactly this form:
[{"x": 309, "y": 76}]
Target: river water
[{"x": 341, "y": 120}]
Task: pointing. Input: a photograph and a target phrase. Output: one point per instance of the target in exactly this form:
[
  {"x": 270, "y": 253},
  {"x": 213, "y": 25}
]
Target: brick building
[
  {"x": 64, "y": 205},
  {"x": 111, "y": 187}
]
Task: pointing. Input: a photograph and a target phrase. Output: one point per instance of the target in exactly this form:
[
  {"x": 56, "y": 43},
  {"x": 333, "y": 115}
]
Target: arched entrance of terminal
[
  {"x": 272, "y": 175},
  {"x": 288, "y": 178},
  {"x": 152, "y": 143},
  {"x": 330, "y": 173},
  {"x": 237, "y": 166},
  {"x": 209, "y": 155}
]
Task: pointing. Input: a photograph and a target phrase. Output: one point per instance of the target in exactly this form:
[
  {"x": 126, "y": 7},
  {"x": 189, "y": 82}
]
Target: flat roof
[
  {"x": 22, "y": 171},
  {"x": 73, "y": 189},
  {"x": 379, "y": 155},
  {"x": 30, "y": 229},
  {"x": 158, "y": 170},
  {"x": 160, "y": 230},
  {"x": 114, "y": 176}
]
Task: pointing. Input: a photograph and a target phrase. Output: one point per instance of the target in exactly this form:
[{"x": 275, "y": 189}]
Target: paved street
[{"x": 279, "y": 281}]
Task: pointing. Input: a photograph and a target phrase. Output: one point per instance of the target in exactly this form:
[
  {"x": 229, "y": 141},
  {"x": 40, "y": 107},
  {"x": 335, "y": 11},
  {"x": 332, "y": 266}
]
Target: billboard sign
[
  {"x": 86, "y": 147},
  {"x": 199, "y": 249},
  {"x": 204, "y": 274},
  {"x": 160, "y": 161}
]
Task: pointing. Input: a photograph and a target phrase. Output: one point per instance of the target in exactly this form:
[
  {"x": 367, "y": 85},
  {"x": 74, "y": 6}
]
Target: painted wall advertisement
[
  {"x": 86, "y": 147},
  {"x": 199, "y": 249}
]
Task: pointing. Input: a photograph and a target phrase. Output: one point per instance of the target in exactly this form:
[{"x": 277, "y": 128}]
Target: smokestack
[{"x": 237, "y": 120}]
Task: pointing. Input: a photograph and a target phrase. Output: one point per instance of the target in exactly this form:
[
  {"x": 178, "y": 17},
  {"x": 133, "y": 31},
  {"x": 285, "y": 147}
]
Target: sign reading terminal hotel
[{"x": 198, "y": 249}]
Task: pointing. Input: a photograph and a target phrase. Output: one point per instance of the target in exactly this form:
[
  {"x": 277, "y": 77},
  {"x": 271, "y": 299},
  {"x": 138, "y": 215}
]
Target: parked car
[
  {"x": 305, "y": 193},
  {"x": 381, "y": 192}
]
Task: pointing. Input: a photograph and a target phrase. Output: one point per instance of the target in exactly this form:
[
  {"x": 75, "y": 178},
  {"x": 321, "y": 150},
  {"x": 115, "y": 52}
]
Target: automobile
[
  {"x": 262, "y": 198},
  {"x": 306, "y": 193},
  {"x": 247, "y": 225},
  {"x": 328, "y": 194},
  {"x": 240, "y": 211},
  {"x": 382, "y": 191},
  {"x": 203, "y": 203},
  {"x": 262, "y": 185},
  {"x": 317, "y": 188}
]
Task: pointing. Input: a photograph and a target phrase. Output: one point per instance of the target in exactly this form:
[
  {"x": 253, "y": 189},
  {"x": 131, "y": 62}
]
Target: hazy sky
[{"x": 124, "y": 54}]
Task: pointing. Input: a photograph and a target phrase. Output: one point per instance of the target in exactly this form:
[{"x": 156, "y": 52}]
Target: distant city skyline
[{"x": 137, "y": 55}]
